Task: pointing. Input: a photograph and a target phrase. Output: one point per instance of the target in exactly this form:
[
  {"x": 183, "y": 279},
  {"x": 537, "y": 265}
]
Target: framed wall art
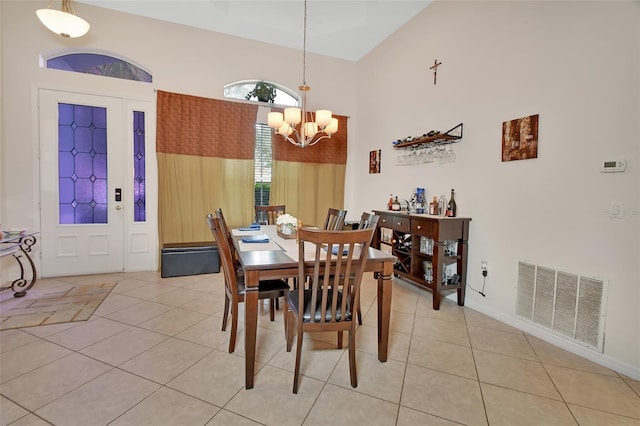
[
  {"x": 520, "y": 138},
  {"x": 374, "y": 161}
]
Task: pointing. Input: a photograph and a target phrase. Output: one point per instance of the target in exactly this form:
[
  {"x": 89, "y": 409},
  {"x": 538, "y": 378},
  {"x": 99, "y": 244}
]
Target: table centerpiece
[{"x": 287, "y": 226}]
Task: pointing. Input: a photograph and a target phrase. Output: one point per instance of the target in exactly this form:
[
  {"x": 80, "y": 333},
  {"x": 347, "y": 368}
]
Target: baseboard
[{"x": 628, "y": 370}]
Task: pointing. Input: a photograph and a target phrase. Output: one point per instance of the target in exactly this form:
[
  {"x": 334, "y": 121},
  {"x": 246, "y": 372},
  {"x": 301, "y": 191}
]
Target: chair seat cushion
[{"x": 292, "y": 299}]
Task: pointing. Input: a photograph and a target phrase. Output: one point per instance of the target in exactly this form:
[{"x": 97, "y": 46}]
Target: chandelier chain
[
  {"x": 294, "y": 125},
  {"x": 304, "y": 47}
]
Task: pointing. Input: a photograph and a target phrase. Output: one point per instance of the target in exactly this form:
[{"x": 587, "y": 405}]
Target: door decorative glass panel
[
  {"x": 139, "y": 179},
  {"x": 82, "y": 164}
]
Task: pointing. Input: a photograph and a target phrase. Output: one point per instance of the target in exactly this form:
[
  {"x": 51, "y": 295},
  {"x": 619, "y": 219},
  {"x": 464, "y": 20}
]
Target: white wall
[{"x": 574, "y": 63}]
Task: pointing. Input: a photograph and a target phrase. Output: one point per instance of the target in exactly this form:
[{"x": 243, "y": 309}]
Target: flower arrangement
[
  {"x": 286, "y": 219},
  {"x": 287, "y": 225}
]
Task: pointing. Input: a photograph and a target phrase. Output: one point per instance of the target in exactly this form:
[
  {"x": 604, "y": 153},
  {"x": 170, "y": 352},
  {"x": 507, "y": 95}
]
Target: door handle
[{"x": 118, "y": 207}]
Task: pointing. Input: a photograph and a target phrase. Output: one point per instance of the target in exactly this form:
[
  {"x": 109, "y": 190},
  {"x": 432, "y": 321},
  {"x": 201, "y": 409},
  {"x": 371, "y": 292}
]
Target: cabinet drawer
[
  {"x": 426, "y": 227},
  {"x": 395, "y": 222}
]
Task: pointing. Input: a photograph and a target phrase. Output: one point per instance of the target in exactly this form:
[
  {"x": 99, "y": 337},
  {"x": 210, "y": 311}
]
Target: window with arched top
[
  {"x": 247, "y": 89},
  {"x": 97, "y": 64},
  {"x": 263, "y": 92}
]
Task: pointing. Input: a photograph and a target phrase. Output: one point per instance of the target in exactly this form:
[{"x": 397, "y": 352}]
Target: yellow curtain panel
[
  {"x": 205, "y": 153},
  {"x": 310, "y": 180}
]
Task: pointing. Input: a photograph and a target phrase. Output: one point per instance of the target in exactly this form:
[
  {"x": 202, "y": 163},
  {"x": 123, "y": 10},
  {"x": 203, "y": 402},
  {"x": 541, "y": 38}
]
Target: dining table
[{"x": 277, "y": 257}]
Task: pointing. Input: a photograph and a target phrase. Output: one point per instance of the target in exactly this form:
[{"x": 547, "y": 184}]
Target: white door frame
[{"x": 137, "y": 242}]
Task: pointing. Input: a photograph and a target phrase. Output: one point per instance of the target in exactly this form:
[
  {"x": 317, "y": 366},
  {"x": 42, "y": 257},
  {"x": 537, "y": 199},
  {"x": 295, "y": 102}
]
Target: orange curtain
[{"x": 205, "y": 153}]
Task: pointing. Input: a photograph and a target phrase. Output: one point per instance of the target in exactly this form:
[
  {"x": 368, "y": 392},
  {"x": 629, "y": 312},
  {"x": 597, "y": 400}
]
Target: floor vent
[{"x": 568, "y": 304}]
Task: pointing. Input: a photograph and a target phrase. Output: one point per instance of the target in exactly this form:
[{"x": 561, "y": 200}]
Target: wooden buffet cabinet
[{"x": 431, "y": 250}]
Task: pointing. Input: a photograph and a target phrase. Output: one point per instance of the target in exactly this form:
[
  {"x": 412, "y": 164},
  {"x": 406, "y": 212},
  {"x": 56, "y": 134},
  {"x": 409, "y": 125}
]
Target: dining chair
[
  {"x": 267, "y": 215},
  {"x": 335, "y": 220},
  {"x": 234, "y": 284},
  {"x": 227, "y": 232},
  {"x": 368, "y": 220},
  {"x": 327, "y": 307}
]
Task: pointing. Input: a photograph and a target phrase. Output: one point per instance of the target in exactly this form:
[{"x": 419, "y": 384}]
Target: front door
[{"x": 93, "y": 219}]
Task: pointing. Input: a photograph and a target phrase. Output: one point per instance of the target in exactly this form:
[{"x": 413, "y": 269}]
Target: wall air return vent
[{"x": 568, "y": 304}]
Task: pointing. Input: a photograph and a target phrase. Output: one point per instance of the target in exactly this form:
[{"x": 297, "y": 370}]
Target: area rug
[{"x": 75, "y": 304}]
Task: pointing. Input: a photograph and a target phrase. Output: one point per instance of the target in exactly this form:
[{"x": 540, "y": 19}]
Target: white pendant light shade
[
  {"x": 275, "y": 120},
  {"x": 323, "y": 117},
  {"x": 292, "y": 115},
  {"x": 63, "y": 22},
  {"x": 285, "y": 130},
  {"x": 332, "y": 128},
  {"x": 310, "y": 130}
]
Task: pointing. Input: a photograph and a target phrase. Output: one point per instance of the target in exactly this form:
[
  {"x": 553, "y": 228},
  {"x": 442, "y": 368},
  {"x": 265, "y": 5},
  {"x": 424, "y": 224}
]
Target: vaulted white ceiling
[{"x": 345, "y": 29}]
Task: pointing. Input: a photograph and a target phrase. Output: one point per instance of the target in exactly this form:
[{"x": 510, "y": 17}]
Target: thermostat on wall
[{"x": 613, "y": 166}]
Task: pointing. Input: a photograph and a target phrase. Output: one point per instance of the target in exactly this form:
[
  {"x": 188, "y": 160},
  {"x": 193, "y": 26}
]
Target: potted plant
[{"x": 264, "y": 92}]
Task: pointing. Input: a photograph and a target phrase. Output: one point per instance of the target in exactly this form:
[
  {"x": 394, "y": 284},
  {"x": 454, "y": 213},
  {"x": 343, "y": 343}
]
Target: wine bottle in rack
[{"x": 451, "y": 206}]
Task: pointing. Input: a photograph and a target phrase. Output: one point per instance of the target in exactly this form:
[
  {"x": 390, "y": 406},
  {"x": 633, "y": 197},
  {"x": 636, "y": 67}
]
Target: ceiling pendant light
[
  {"x": 63, "y": 22},
  {"x": 297, "y": 125}
]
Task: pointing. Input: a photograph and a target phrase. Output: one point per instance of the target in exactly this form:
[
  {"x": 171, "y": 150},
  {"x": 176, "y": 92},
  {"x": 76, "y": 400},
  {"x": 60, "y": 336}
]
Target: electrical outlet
[{"x": 483, "y": 265}]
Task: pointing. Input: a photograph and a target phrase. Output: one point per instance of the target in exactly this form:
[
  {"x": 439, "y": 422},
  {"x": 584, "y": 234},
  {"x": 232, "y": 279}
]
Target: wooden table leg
[
  {"x": 384, "y": 310},
  {"x": 250, "y": 324}
]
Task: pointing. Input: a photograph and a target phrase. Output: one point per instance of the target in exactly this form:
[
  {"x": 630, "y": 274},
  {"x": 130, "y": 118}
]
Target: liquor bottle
[
  {"x": 442, "y": 206},
  {"x": 433, "y": 206},
  {"x": 396, "y": 204},
  {"x": 451, "y": 207},
  {"x": 390, "y": 203}
]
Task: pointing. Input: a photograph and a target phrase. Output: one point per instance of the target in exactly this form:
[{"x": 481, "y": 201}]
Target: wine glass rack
[{"x": 428, "y": 147}]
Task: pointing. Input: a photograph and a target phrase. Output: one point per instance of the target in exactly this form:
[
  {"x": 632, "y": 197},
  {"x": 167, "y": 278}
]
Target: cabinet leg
[
  {"x": 461, "y": 295},
  {"x": 436, "y": 300}
]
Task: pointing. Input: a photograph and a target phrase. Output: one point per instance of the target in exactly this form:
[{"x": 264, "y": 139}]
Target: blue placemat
[
  {"x": 252, "y": 227},
  {"x": 334, "y": 250},
  {"x": 255, "y": 239}
]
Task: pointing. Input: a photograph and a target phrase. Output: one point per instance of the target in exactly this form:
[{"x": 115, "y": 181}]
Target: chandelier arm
[{"x": 315, "y": 141}]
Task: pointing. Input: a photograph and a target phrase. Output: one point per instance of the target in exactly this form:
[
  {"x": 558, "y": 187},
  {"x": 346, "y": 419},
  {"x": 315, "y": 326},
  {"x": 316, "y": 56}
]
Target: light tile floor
[{"x": 153, "y": 354}]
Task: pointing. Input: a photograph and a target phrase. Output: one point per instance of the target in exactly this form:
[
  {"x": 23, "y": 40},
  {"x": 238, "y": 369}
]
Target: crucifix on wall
[{"x": 434, "y": 67}]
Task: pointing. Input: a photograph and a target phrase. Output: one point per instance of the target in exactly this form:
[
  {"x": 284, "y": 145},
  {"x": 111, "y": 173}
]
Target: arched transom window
[
  {"x": 242, "y": 90},
  {"x": 97, "y": 64}
]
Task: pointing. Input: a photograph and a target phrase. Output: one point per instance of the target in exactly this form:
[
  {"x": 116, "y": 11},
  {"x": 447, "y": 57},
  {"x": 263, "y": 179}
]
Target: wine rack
[
  {"x": 452, "y": 135},
  {"x": 431, "y": 250},
  {"x": 429, "y": 147}
]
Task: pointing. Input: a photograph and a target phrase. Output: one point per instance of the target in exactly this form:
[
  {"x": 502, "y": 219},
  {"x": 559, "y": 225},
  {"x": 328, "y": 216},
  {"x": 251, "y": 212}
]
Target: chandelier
[
  {"x": 63, "y": 22},
  {"x": 297, "y": 125}
]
